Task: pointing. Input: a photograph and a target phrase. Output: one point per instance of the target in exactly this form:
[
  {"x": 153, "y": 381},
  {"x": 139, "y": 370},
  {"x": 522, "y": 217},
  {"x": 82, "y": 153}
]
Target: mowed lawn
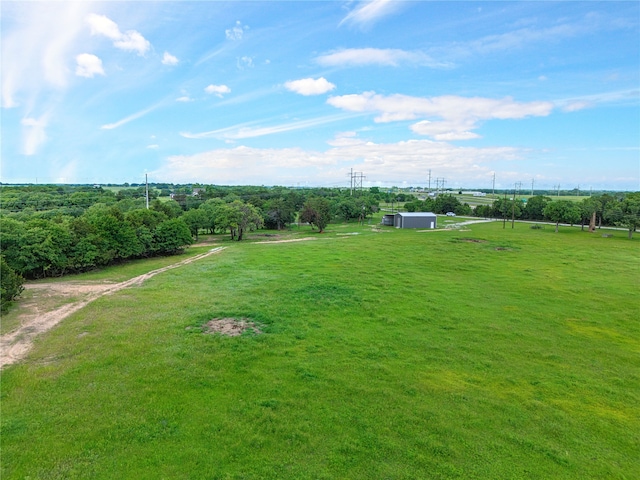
[{"x": 488, "y": 353}]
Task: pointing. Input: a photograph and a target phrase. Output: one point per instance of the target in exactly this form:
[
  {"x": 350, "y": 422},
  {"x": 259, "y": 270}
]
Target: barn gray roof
[{"x": 416, "y": 214}]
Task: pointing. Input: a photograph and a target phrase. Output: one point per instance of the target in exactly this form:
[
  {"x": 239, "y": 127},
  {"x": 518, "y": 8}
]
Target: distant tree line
[{"x": 621, "y": 210}]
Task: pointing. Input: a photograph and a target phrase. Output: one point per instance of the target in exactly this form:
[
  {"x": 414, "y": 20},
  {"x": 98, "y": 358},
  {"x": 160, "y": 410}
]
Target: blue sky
[{"x": 299, "y": 93}]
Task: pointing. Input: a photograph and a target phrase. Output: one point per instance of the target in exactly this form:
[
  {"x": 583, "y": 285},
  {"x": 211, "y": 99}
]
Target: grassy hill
[{"x": 478, "y": 353}]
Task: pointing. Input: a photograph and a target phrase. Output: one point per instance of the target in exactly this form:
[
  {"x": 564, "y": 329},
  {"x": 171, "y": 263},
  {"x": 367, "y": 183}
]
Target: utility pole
[
  {"x": 493, "y": 189},
  {"x": 429, "y": 190},
  {"x": 504, "y": 215},
  {"x": 359, "y": 177},
  {"x": 355, "y": 181},
  {"x": 146, "y": 184},
  {"x": 513, "y": 205},
  {"x": 532, "y": 180}
]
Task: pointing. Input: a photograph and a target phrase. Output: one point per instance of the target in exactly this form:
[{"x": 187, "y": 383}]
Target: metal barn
[
  {"x": 415, "y": 220},
  {"x": 388, "y": 220}
]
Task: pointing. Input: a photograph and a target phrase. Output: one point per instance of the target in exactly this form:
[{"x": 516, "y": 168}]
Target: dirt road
[{"x": 16, "y": 344}]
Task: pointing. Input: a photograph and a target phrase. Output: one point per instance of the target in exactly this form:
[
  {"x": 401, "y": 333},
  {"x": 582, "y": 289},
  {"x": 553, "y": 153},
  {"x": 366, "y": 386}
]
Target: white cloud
[
  {"x": 88, "y": 65},
  {"x": 217, "y": 90},
  {"x": 391, "y": 57},
  {"x": 458, "y": 115},
  {"x": 310, "y": 86},
  {"x": 169, "y": 59},
  {"x": 370, "y": 11},
  {"x": 153, "y": 147},
  {"x": 131, "y": 40},
  {"x": 385, "y": 163},
  {"x": 184, "y": 99},
  {"x": 103, "y": 25},
  {"x": 237, "y": 32}
]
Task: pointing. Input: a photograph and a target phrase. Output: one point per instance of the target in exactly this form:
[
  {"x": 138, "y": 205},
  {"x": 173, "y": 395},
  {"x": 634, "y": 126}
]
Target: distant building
[
  {"x": 414, "y": 220},
  {"x": 475, "y": 194}
]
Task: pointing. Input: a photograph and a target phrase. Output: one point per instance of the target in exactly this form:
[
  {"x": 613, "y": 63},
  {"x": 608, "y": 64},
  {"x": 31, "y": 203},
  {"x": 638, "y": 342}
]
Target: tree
[
  {"x": 588, "y": 210},
  {"x": 117, "y": 238},
  {"x": 316, "y": 211},
  {"x": 483, "y": 211},
  {"x": 564, "y": 211},
  {"x": 347, "y": 209},
  {"x": 506, "y": 208},
  {"x": 210, "y": 208},
  {"x": 171, "y": 209},
  {"x": 248, "y": 217},
  {"x": 626, "y": 213},
  {"x": 10, "y": 284},
  {"x": 143, "y": 217},
  {"x": 446, "y": 203},
  {"x": 195, "y": 220},
  {"x": 534, "y": 209},
  {"x": 171, "y": 236},
  {"x": 278, "y": 213}
]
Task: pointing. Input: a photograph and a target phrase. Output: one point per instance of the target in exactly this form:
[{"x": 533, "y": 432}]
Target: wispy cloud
[
  {"x": 369, "y": 12},
  {"x": 618, "y": 97},
  {"x": 130, "y": 118},
  {"x": 36, "y": 50},
  {"x": 310, "y": 86},
  {"x": 238, "y": 132},
  {"x": 34, "y": 133},
  {"x": 390, "y": 57},
  {"x": 244, "y": 62},
  {"x": 130, "y": 40},
  {"x": 519, "y": 38}
]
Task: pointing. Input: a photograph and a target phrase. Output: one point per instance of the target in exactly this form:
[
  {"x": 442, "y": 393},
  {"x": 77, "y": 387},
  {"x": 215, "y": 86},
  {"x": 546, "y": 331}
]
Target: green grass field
[{"x": 484, "y": 353}]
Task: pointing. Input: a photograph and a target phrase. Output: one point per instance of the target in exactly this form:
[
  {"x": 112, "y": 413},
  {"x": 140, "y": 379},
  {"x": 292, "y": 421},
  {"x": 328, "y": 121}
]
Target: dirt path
[
  {"x": 305, "y": 239},
  {"x": 16, "y": 344}
]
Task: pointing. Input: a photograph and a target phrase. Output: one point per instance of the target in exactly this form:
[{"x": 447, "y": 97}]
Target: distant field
[
  {"x": 477, "y": 353},
  {"x": 490, "y": 198}
]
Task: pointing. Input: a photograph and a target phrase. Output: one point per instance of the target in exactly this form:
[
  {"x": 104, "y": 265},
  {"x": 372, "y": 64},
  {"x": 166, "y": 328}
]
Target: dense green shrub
[{"x": 10, "y": 284}]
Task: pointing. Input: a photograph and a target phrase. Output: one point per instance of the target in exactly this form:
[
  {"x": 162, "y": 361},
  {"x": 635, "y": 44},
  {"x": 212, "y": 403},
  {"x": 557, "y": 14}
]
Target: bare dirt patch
[
  {"x": 288, "y": 241},
  {"x": 471, "y": 240},
  {"x": 44, "y": 314},
  {"x": 230, "y": 327}
]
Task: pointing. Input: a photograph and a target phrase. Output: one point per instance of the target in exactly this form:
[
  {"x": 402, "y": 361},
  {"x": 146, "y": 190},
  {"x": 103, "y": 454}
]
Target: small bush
[{"x": 536, "y": 227}]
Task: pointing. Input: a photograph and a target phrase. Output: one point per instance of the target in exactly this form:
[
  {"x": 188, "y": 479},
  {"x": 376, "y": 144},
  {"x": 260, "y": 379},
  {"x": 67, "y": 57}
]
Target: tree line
[
  {"x": 621, "y": 210},
  {"x": 55, "y": 230}
]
